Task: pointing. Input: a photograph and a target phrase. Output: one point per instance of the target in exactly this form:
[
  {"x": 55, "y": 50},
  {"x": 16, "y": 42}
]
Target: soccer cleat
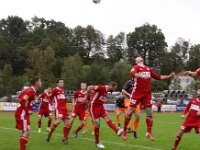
[
  {"x": 48, "y": 129},
  {"x": 124, "y": 136},
  {"x": 150, "y": 136},
  {"x": 173, "y": 149},
  {"x": 84, "y": 131},
  {"x": 39, "y": 130},
  {"x": 129, "y": 130},
  {"x": 99, "y": 145},
  {"x": 65, "y": 141},
  {"x": 135, "y": 135},
  {"x": 119, "y": 132},
  {"x": 48, "y": 138},
  {"x": 75, "y": 135}
]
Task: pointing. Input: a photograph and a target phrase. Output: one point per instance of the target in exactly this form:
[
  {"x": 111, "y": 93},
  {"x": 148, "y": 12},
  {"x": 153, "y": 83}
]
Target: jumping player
[
  {"x": 61, "y": 113},
  {"x": 44, "y": 109},
  {"x": 193, "y": 74},
  {"x": 24, "y": 110},
  {"x": 79, "y": 109},
  {"x": 97, "y": 109},
  {"x": 141, "y": 93},
  {"x": 127, "y": 90},
  {"x": 192, "y": 120}
]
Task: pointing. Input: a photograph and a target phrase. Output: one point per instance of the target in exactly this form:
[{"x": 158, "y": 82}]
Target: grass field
[{"x": 166, "y": 126}]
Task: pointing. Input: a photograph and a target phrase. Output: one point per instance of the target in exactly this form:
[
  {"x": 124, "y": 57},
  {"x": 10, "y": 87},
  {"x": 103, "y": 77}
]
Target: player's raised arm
[
  {"x": 88, "y": 91},
  {"x": 161, "y": 77},
  {"x": 193, "y": 74},
  {"x": 186, "y": 110}
]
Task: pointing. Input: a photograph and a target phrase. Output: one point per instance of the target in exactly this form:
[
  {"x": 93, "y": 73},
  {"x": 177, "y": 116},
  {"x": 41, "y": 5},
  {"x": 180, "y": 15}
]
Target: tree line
[{"x": 50, "y": 49}]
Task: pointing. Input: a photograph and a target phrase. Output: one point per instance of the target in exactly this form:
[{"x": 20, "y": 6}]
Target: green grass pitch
[{"x": 166, "y": 125}]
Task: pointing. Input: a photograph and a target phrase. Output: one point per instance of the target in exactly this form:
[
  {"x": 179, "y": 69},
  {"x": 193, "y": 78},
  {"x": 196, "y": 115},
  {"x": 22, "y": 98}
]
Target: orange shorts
[
  {"x": 121, "y": 110},
  {"x": 127, "y": 104},
  {"x": 87, "y": 114}
]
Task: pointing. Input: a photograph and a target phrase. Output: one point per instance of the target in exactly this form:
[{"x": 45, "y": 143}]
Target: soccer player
[
  {"x": 193, "y": 74},
  {"x": 44, "y": 109},
  {"x": 24, "y": 110},
  {"x": 79, "y": 109},
  {"x": 141, "y": 93},
  {"x": 192, "y": 120},
  {"x": 87, "y": 115},
  {"x": 97, "y": 109},
  {"x": 61, "y": 113},
  {"x": 127, "y": 90}
]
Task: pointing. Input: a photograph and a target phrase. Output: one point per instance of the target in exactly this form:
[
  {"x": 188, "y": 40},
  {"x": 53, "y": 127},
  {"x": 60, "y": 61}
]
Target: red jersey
[
  {"x": 25, "y": 100},
  {"x": 45, "y": 101},
  {"x": 99, "y": 95},
  {"x": 78, "y": 97},
  {"x": 192, "y": 108},
  {"x": 142, "y": 85},
  {"x": 198, "y": 71},
  {"x": 58, "y": 95}
]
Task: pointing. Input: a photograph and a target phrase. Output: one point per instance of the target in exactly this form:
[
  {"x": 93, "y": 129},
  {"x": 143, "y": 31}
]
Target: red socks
[
  {"x": 96, "y": 134},
  {"x": 126, "y": 121},
  {"x": 66, "y": 130},
  {"x": 49, "y": 122},
  {"x": 52, "y": 129},
  {"x": 149, "y": 123},
  {"x": 23, "y": 141},
  {"x": 112, "y": 126},
  {"x": 79, "y": 128},
  {"x": 178, "y": 139},
  {"x": 39, "y": 123}
]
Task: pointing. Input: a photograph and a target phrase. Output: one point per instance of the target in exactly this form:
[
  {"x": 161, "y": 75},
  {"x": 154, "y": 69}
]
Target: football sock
[
  {"x": 23, "y": 141},
  {"x": 112, "y": 126},
  {"x": 149, "y": 123},
  {"x": 96, "y": 134},
  {"x": 66, "y": 130},
  {"x": 136, "y": 122},
  {"x": 52, "y": 129},
  {"x": 126, "y": 121}
]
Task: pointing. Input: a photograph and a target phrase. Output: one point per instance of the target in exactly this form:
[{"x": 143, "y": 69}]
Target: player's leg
[
  {"x": 81, "y": 116},
  {"x": 25, "y": 134},
  {"x": 136, "y": 121},
  {"x": 147, "y": 103},
  {"x": 85, "y": 128},
  {"x": 59, "y": 117},
  {"x": 110, "y": 123},
  {"x": 66, "y": 129},
  {"x": 178, "y": 137},
  {"x": 39, "y": 123},
  {"x": 118, "y": 113},
  {"x": 49, "y": 123}
]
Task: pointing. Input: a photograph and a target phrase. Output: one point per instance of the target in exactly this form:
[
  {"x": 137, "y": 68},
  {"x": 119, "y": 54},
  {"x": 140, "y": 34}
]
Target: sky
[{"x": 176, "y": 18}]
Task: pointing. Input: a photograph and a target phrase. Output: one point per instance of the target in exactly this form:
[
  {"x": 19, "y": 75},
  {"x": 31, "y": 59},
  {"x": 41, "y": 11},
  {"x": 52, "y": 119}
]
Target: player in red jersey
[
  {"x": 79, "y": 109},
  {"x": 44, "y": 109},
  {"x": 24, "y": 110},
  {"x": 141, "y": 93},
  {"x": 193, "y": 74},
  {"x": 97, "y": 109},
  {"x": 61, "y": 113},
  {"x": 192, "y": 120}
]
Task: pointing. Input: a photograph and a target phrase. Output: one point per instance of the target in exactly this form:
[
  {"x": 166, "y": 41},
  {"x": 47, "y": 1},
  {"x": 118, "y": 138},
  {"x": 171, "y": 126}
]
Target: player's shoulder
[{"x": 30, "y": 90}]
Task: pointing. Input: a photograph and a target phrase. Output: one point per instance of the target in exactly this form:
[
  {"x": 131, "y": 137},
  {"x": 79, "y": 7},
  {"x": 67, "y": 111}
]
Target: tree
[
  {"x": 175, "y": 84},
  {"x": 71, "y": 72},
  {"x": 6, "y": 77},
  {"x": 116, "y": 47},
  {"x": 147, "y": 41},
  {"x": 120, "y": 73},
  {"x": 194, "y": 57}
]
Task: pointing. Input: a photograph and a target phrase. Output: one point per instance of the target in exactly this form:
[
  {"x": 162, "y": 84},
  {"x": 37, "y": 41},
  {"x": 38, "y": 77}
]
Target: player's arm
[
  {"x": 23, "y": 100},
  {"x": 38, "y": 98},
  {"x": 161, "y": 77},
  {"x": 74, "y": 98},
  {"x": 134, "y": 72},
  {"x": 125, "y": 93},
  {"x": 51, "y": 96},
  {"x": 186, "y": 110},
  {"x": 88, "y": 91},
  {"x": 193, "y": 74}
]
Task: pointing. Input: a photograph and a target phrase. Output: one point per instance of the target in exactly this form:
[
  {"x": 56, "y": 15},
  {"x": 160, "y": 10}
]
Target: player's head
[
  {"x": 112, "y": 86},
  {"x": 60, "y": 83},
  {"x": 139, "y": 60},
  {"x": 36, "y": 82},
  {"x": 198, "y": 92},
  {"x": 49, "y": 89},
  {"x": 83, "y": 86}
]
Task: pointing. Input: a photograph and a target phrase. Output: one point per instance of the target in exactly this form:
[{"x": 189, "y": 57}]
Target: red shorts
[
  {"x": 23, "y": 123},
  {"x": 187, "y": 129},
  {"x": 62, "y": 114},
  {"x": 144, "y": 98},
  {"x": 97, "y": 111},
  {"x": 79, "y": 110},
  {"x": 44, "y": 112}
]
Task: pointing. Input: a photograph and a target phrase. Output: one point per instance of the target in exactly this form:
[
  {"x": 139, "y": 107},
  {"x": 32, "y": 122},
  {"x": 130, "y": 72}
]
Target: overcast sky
[{"x": 176, "y": 18}]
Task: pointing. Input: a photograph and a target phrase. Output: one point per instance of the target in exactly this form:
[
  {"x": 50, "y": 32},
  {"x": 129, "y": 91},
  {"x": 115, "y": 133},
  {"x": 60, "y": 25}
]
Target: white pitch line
[{"x": 88, "y": 139}]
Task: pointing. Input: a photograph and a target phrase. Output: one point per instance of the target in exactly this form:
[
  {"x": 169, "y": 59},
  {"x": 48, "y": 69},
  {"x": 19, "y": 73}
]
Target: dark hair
[
  {"x": 113, "y": 83},
  {"x": 58, "y": 80},
  {"x": 34, "y": 79}
]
